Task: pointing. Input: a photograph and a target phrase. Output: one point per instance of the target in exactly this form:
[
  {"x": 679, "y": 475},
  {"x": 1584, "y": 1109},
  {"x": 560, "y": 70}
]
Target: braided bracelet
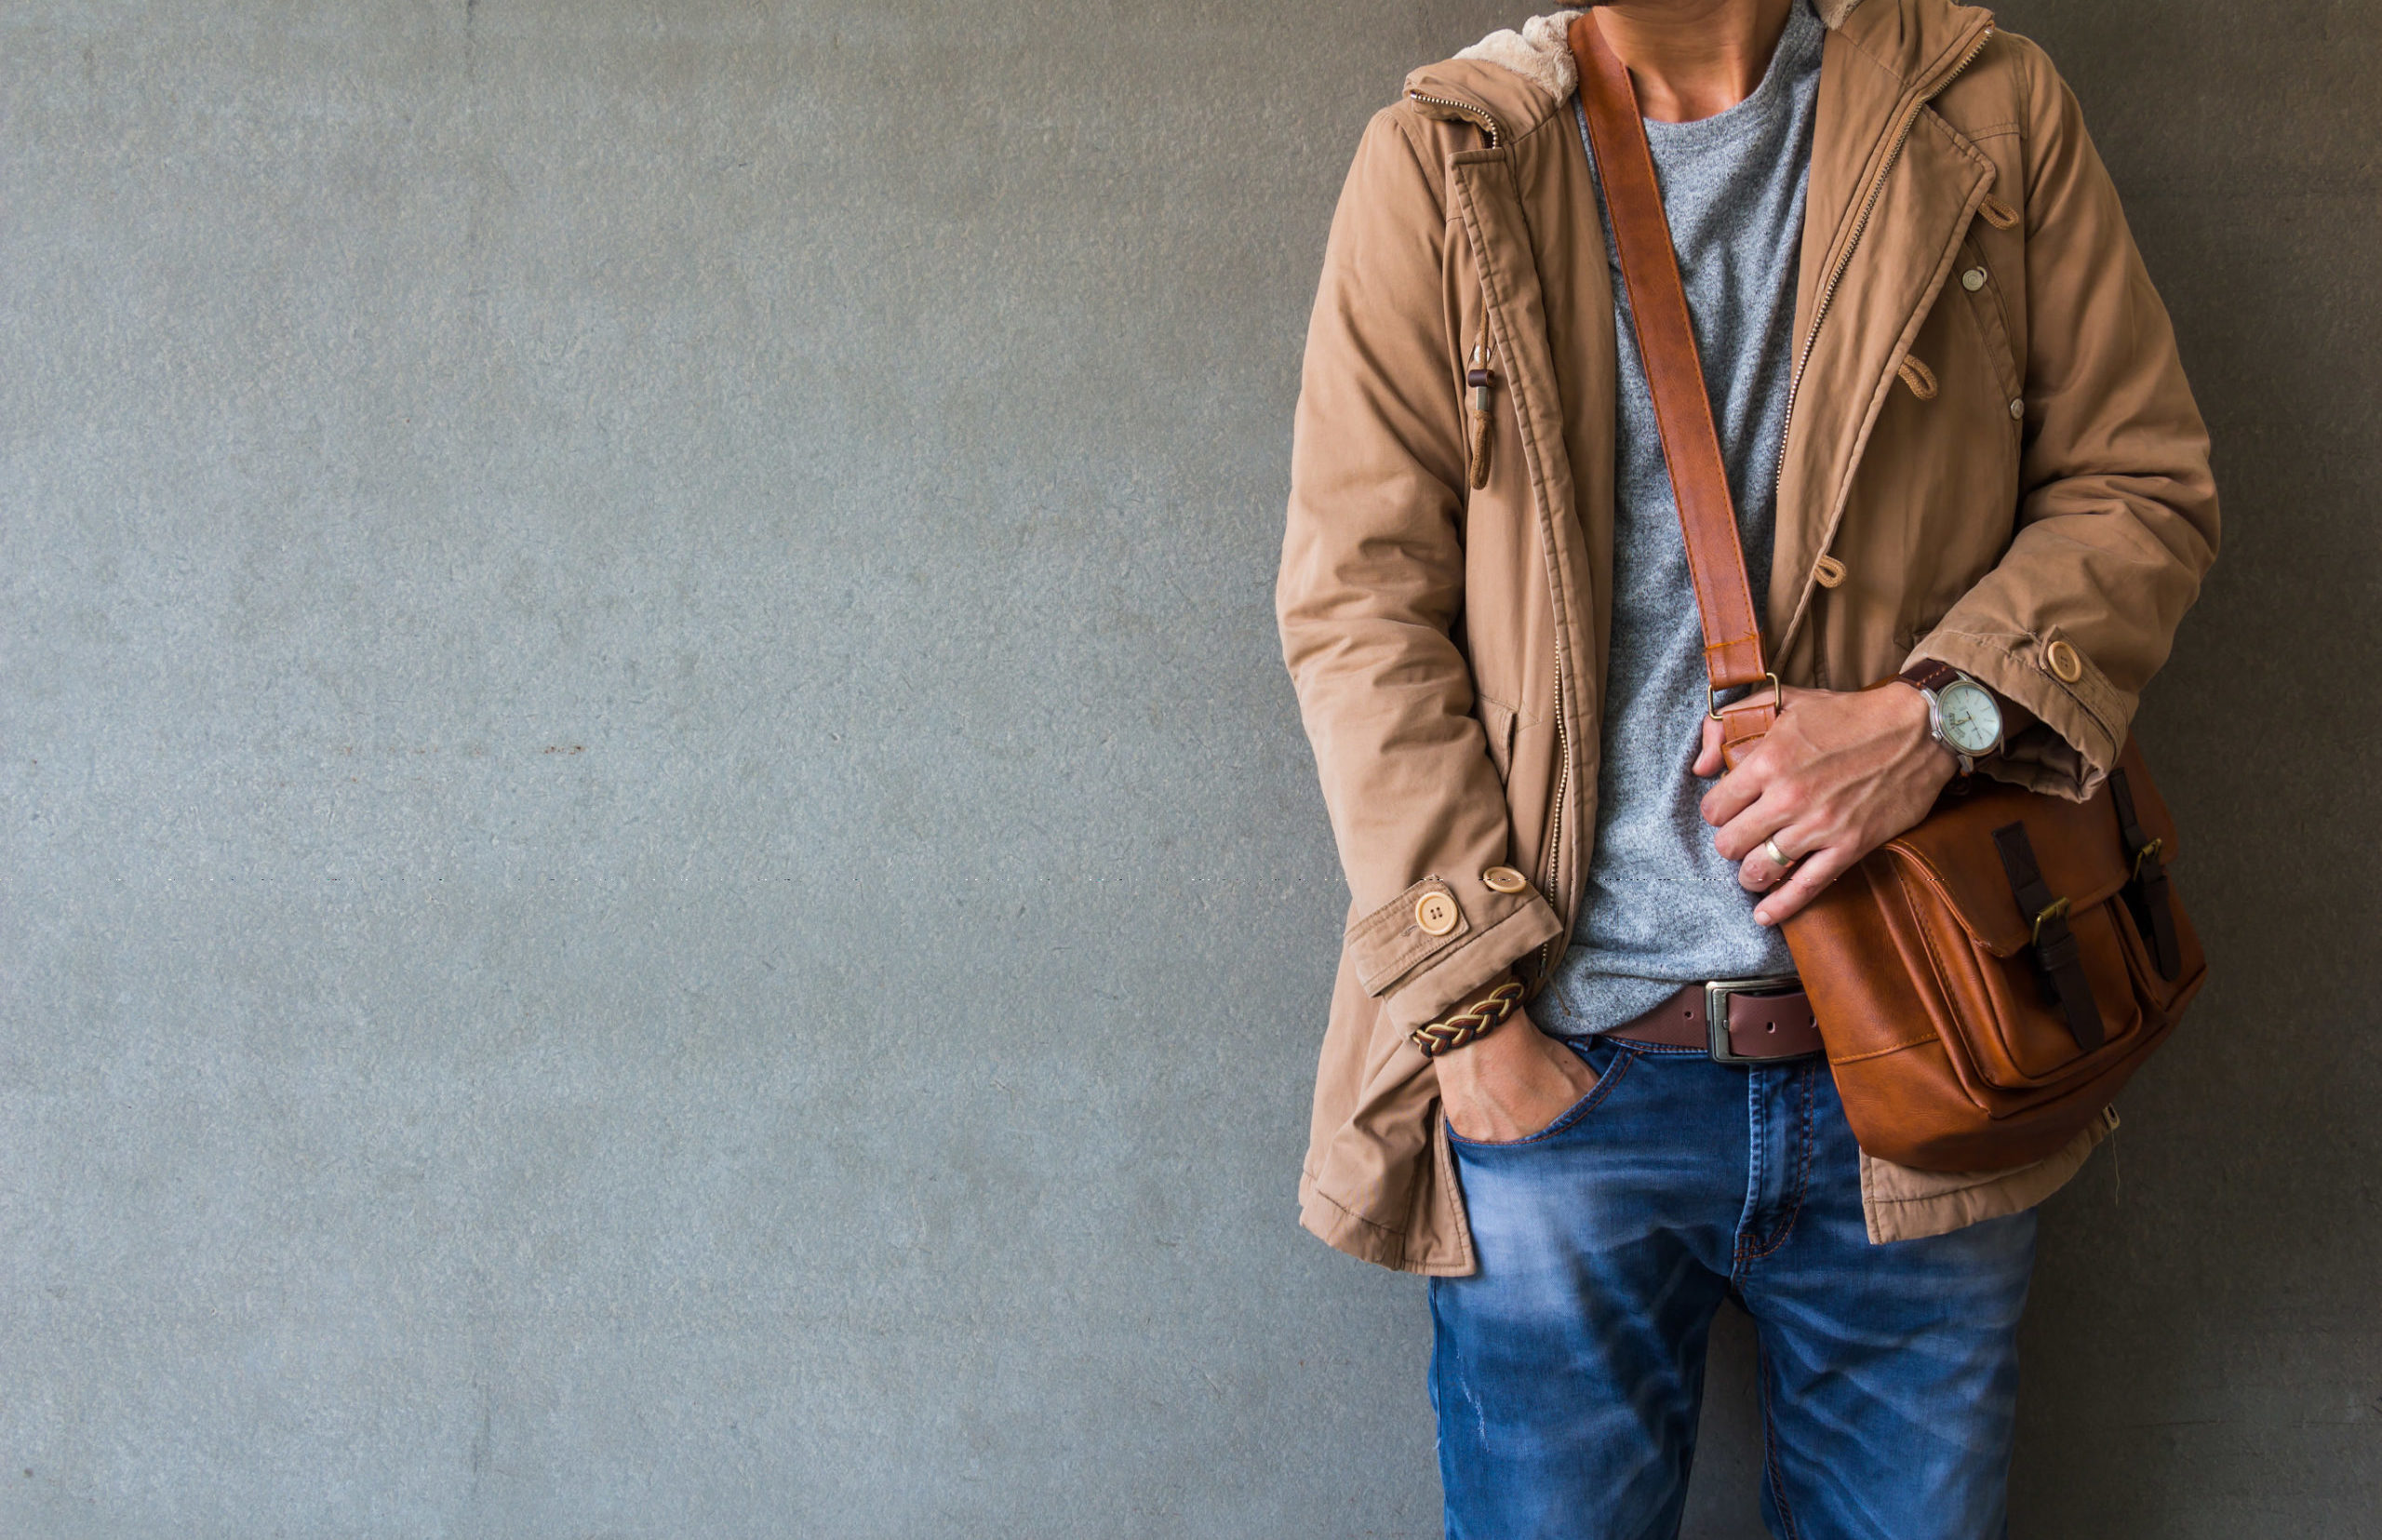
[{"x": 1474, "y": 1021}]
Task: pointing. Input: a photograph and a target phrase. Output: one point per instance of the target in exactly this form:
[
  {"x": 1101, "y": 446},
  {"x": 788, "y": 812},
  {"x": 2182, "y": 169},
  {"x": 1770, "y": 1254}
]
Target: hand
[
  {"x": 1838, "y": 776},
  {"x": 1512, "y": 1083}
]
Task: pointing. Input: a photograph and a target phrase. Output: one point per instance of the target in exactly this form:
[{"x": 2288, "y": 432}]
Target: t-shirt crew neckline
[{"x": 1802, "y": 30}]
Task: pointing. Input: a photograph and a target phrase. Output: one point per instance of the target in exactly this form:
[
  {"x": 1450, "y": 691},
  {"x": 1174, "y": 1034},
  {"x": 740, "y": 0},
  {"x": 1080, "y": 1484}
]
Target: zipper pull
[{"x": 1481, "y": 379}]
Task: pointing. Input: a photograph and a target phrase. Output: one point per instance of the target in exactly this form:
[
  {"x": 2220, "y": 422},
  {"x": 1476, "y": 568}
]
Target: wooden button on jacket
[{"x": 2041, "y": 518}]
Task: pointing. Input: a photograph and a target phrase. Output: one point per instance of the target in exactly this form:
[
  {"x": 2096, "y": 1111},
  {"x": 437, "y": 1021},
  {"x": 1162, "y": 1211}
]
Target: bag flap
[{"x": 2078, "y": 845}]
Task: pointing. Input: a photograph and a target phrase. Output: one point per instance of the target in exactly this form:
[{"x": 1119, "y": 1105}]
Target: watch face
[{"x": 1972, "y": 722}]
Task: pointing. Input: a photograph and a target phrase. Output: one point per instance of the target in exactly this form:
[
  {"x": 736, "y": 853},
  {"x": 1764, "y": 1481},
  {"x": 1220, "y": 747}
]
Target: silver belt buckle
[{"x": 1716, "y": 1013}]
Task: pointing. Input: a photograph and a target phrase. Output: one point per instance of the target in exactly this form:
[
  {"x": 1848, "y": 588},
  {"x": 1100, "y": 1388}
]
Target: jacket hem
[
  {"x": 1352, "y": 1235},
  {"x": 1962, "y": 1202}
]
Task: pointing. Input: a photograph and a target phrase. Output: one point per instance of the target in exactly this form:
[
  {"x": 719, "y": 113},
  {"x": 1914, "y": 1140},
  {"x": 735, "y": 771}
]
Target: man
[{"x": 1961, "y": 445}]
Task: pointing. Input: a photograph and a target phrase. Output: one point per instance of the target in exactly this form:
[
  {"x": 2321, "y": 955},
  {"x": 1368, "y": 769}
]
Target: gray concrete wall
[{"x": 659, "y": 877}]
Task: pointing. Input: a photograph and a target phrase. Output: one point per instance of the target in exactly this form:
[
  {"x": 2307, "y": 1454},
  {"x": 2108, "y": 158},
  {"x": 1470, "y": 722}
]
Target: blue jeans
[{"x": 1568, "y": 1371}]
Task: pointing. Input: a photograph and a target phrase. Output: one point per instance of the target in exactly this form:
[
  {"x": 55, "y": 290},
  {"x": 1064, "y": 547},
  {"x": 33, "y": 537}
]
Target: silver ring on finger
[{"x": 1778, "y": 858}]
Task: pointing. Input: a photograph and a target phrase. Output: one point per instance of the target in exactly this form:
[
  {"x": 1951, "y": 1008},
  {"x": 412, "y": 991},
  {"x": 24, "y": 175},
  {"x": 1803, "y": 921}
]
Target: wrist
[
  {"x": 1918, "y": 717},
  {"x": 1491, "y": 1058}
]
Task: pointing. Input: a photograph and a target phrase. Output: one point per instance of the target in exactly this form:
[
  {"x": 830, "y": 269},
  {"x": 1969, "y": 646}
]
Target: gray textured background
[{"x": 659, "y": 877}]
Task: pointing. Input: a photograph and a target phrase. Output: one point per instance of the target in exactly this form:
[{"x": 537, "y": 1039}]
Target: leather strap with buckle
[
  {"x": 2146, "y": 894},
  {"x": 2059, "y": 957},
  {"x": 1762, "y": 1021},
  {"x": 1707, "y": 517}
]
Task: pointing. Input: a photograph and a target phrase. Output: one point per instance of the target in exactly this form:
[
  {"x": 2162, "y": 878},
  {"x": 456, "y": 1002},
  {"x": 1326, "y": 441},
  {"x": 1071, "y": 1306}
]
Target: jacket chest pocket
[
  {"x": 1935, "y": 499},
  {"x": 1978, "y": 293}
]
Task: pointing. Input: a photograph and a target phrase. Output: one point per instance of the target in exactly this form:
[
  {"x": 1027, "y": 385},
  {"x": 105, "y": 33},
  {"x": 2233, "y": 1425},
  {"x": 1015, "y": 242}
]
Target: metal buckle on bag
[{"x": 1716, "y": 1013}]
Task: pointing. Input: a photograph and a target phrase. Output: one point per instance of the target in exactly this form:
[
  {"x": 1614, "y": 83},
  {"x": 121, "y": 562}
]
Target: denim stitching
[
  {"x": 1754, "y": 1142},
  {"x": 1578, "y": 1111},
  {"x": 1802, "y": 1172},
  {"x": 1771, "y": 1466}
]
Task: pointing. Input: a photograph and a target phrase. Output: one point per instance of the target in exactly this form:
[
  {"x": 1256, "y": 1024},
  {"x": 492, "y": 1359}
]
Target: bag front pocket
[{"x": 2012, "y": 1029}]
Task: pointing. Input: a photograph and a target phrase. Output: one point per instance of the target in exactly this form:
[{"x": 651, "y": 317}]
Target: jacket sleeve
[
  {"x": 2117, "y": 517},
  {"x": 1372, "y": 584}
]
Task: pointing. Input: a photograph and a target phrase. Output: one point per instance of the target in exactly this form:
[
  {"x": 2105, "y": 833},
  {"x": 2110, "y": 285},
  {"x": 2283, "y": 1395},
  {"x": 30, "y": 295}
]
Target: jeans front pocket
[{"x": 1609, "y": 1058}]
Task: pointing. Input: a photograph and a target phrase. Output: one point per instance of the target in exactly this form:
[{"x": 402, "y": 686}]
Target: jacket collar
[{"x": 1517, "y": 79}]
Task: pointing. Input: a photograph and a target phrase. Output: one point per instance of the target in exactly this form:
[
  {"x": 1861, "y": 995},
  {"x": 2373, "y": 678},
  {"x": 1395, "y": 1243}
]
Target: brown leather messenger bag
[{"x": 1987, "y": 982}]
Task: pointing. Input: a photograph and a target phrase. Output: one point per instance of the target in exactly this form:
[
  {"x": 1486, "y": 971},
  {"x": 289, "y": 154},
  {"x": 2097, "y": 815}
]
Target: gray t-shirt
[{"x": 1662, "y": 907}]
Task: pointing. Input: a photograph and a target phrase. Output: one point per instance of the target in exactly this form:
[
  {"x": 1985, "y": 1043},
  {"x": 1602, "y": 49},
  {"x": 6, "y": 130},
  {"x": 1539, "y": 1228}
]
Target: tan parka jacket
[{"x": 1991, "y": 457}]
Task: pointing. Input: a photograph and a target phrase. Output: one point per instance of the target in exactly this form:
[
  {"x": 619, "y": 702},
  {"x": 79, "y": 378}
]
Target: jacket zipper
[
  {"x": 1563, "y": 735},
  {"x": 1555, "y": 819},
  {"x": 1551, "y": 860},
  {"x": 1861, "y": 225},
  {"x": 1467, "y": 111}
]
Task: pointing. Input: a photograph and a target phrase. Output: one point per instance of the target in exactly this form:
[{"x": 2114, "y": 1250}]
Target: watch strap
[{"x": 1930, "y": 675}]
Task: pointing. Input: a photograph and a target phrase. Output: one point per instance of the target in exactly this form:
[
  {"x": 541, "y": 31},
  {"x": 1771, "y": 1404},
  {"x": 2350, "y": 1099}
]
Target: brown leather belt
[{"x": 1737, "y": 1021}]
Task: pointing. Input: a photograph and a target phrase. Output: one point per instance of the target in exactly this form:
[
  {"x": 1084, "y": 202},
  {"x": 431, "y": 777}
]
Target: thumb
[{"x": 1707, "y": 755}]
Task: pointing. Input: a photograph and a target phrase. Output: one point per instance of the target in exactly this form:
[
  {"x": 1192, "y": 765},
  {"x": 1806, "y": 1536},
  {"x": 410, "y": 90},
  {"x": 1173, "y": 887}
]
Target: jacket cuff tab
[
  {"x": 1498, "y": 930},
  {"x": 1409, "y": 931}
]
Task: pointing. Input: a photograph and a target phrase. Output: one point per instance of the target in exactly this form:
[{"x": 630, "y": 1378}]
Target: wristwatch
[{"x": 1961, "y": 714}]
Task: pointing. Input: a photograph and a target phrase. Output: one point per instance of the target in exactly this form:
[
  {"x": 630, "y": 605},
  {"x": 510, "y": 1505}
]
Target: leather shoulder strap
[{"x": 1707, "y": 515}]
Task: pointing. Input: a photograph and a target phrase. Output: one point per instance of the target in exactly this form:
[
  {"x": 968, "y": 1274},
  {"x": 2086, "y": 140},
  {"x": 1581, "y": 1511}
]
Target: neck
[{"x": 1693, "y": 58}]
